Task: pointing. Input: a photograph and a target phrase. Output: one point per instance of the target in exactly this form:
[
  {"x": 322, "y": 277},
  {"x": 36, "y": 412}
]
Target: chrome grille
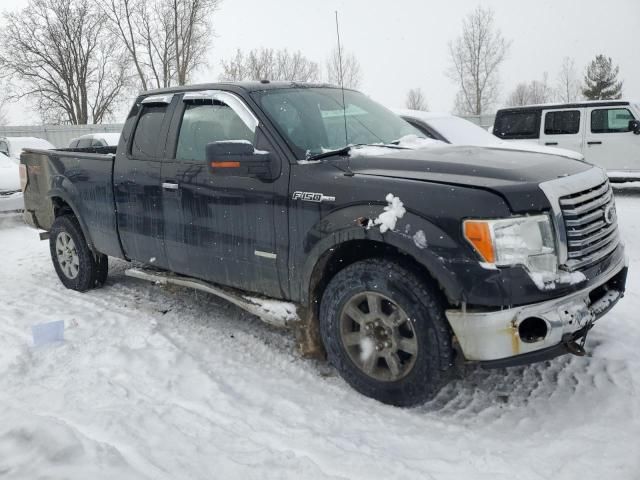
[{"x": 591, "y": 225}]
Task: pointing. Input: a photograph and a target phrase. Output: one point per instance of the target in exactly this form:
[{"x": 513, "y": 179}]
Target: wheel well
[
  {"x": 60, "y": 207},
  {"x": 347, "y": 253}
]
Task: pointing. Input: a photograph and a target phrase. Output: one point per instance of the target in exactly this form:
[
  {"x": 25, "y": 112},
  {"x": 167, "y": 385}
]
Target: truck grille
[{"x": 591, "y": 225}]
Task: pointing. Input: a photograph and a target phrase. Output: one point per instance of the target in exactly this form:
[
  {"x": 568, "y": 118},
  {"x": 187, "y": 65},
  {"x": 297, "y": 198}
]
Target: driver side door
[{"x": 229, "y": 230}]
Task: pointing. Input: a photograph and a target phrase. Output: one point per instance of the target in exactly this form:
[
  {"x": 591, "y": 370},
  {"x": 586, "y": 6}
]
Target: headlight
[{"x": 524, "y": 241}]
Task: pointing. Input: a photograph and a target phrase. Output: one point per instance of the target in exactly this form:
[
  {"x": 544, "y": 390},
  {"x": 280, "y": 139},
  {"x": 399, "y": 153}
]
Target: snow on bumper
[{"x": 485, "y": 336}]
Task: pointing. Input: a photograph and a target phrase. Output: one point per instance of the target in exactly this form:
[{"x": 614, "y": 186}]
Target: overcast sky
[{"x": 403, "y": 44}]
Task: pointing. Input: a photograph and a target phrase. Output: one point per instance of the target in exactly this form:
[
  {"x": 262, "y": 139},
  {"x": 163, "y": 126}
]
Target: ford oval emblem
[{"x": 610, "y": 214}]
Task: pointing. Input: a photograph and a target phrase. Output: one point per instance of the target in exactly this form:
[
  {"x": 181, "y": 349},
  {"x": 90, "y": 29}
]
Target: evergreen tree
[{"x": 601, "y": 81}]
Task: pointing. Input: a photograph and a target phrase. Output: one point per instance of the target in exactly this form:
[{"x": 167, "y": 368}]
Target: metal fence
[
  {"x": 61, "y": 135},
  {"x": 58, "y": 135},
  {"x": 485, "y": 121}
]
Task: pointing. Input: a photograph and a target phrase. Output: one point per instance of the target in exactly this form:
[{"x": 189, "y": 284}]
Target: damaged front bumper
[{"x": 531, "y": 333}]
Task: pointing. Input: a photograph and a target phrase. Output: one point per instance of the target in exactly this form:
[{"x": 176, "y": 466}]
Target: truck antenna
[{"x": 344, "y": 106}]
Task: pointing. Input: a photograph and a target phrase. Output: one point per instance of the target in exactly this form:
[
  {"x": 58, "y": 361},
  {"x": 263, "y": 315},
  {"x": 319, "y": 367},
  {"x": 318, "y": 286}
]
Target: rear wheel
[
  {"x": 385, "y": 331},
  {"x": 76, "y": 265}
]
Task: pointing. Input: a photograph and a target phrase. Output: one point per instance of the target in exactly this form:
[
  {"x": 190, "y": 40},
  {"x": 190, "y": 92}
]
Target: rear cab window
[
  {"x": 145, "y": 137},
  {"x": 517, "y": 124},
  {"x": 611, "y": 120}
]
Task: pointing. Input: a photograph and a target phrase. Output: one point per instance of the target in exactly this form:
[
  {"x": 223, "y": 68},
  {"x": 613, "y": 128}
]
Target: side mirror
[
  {"x": 634, "y": 126},
  {"x": 239, "y": 159}
]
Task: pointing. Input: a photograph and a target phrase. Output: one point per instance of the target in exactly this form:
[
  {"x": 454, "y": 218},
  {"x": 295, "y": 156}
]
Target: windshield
[
  {"x": 462, "y": 132},
  {"x": 312, "y": 119}
]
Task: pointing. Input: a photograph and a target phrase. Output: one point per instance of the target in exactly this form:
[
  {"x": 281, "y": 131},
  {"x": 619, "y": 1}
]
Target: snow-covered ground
[{"x": 167, "y": 383}]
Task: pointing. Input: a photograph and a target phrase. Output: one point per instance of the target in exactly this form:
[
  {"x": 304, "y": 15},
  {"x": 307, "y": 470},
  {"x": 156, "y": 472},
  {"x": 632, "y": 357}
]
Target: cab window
[
  {"x": 208, "y": 123},
  {"x": 145, "y": 138},
  {"x": 516, "y": 125},
  {"x": 566, "y": 122},
  {"x": 610, "y": 120}
]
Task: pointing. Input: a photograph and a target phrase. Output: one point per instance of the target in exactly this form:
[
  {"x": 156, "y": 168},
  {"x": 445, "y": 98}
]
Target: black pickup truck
[{"x": 403, "y": 256}]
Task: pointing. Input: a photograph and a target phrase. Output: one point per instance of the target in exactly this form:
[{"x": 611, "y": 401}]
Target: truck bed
[{"x": 79, "y": 179}]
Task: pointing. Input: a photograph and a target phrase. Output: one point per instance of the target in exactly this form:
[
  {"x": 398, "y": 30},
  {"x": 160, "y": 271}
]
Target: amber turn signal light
[
  {"x": 225, "y": 164},
  {"x": 478, "y": 234}
]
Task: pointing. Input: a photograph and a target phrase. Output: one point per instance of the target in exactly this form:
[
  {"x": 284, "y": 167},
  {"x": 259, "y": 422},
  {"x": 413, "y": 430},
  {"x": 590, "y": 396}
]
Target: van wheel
[
  {"x": 385, "y": 331},
  {"x": 76, "y": 265}
]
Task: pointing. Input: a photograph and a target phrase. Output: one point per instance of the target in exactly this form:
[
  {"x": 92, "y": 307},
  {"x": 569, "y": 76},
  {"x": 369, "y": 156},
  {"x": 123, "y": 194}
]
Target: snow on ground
[{"x": 167, "y": 383}]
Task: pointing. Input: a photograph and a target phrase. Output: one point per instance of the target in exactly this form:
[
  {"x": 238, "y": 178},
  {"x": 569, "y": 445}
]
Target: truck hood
[{"x": 515, "y": 175}]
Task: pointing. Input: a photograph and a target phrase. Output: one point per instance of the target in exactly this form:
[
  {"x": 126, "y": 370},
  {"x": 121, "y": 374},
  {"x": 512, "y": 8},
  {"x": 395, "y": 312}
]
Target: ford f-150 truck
[{"x": 403, "y": 256}]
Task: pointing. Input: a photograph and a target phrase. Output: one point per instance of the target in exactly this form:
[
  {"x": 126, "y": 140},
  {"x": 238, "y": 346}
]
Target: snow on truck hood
[{"x": 9, "y": 174}]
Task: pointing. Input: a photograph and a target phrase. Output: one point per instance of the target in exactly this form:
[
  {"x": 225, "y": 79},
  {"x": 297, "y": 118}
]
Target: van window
[
  {"x": 203, "y": 124},
  {"x": 145, "y": 138},
  {"x": 610, "y": 120},
  {"x": 566, "y": 122},
  {"x": 517, "y": 125}
]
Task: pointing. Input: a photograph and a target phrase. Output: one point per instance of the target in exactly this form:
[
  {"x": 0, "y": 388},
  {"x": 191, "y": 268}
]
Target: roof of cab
[{"x": 248, "y": 86}]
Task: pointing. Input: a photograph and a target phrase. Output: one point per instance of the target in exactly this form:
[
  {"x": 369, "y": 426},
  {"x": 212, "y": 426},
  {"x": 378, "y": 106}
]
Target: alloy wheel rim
[
  {"x": 67, "y": 255},
  {"x": 378, "y": 336}
]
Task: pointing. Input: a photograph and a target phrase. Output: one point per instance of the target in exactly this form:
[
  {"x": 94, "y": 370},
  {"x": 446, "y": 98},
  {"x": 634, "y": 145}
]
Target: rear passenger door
[
  {"x": 563, "y": 129},
  {"x": 609, "y": 142},
  {"x": 137, "y": 183}
]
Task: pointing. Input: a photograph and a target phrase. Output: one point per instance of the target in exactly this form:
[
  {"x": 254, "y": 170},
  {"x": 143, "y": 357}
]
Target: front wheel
[
  {"x": 78, "y": 268},
  {"x": 385, "y": 331}
]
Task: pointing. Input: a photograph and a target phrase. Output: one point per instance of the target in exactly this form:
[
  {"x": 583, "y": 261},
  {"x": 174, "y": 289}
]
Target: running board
[{"x": 273, "y": 312}]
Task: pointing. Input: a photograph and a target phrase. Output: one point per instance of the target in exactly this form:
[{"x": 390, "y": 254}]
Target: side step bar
[{"x": 273, "y": 312}]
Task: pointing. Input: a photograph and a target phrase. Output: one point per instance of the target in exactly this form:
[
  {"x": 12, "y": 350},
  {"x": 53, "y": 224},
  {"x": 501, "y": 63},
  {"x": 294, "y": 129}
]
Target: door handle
[
  {"x": 551, "y": 143},
  {"x": 170, "y": 186},
  {"x": 594, "y": 143}
]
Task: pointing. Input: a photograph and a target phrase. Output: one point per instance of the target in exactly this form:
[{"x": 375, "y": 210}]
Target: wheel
[
  {"x": 385, "y": 331},
  {"x": 76, "y": 265}
]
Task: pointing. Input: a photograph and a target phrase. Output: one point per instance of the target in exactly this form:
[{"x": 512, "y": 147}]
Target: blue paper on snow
[{"x": 49, "y": 332}]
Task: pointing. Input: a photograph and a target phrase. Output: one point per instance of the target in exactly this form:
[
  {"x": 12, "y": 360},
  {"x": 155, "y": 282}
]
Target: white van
[{"x": 606, "y": 132}]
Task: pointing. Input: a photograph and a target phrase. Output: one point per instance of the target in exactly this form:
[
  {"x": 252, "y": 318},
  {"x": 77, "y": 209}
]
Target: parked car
[
  {"x": 402, "y": 256},
  {"x": 607, "y": 132},
  {"x": 459, "y": 131},
  {"x": 13, "y": 146},
  {"x": 95, "y": 140},
  {"x": 11, "y": 199}
]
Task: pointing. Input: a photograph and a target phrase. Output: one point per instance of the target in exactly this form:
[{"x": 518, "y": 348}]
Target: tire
[
  {"x": 76, "y": 265},
  {"x": 415, "y": 357}
]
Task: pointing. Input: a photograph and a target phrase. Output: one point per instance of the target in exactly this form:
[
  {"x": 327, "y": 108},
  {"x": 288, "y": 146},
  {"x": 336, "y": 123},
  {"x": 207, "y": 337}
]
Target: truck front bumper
[{"x": 530, "y": 333}]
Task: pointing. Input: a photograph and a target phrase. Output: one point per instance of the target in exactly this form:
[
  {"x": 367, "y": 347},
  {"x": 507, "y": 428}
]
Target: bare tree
[
  {"x": 519, "y": 96},
  {"x": 534, "y": 92},
  {"x": 267, "y": 63},
  {"x": 166, "y": 40},
  {"x": 416, "y": 100},
  {"x": 568, "y": 86},
  {"x": 65, "y": 60},
  {"x": 3, "y": 113},
  {"x": 476, "y": 57},
  {"x": 351, "y": 71},
  {"x": 540, "y": 91}
]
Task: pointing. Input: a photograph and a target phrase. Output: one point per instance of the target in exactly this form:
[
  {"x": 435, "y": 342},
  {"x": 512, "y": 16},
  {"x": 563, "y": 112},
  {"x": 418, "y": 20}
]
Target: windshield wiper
[
  {"x": 345, "y": 150},
  {"x": 339, "y": 151}
]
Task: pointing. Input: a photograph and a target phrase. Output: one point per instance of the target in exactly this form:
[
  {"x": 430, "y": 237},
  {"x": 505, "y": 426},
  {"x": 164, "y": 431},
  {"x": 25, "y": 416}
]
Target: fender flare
[
  {"x": 65, "y": 197},
  {"x": 402, "y": 239}
]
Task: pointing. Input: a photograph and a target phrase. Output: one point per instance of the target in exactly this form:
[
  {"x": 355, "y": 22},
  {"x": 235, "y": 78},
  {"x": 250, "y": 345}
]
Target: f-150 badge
[{"x": 312, "y": 197}]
